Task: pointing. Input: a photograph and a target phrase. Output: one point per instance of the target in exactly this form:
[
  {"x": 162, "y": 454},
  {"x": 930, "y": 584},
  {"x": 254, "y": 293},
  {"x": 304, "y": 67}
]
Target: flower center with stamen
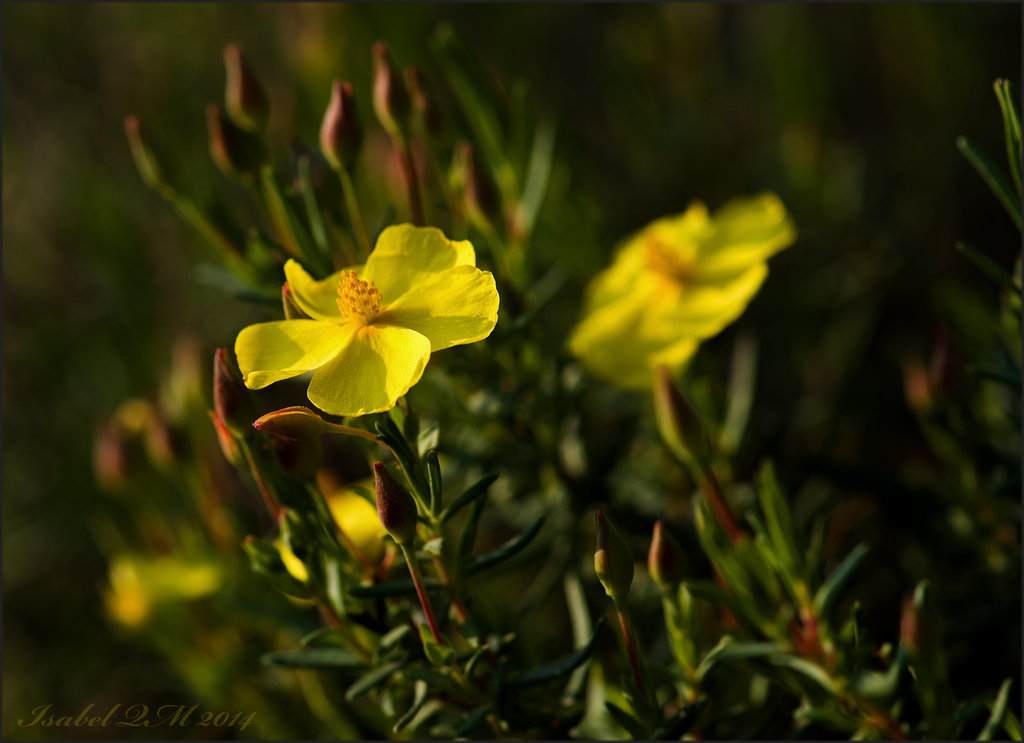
[
  {"x": 358, "y": 300},
  {"x": 669, "y": 261}
]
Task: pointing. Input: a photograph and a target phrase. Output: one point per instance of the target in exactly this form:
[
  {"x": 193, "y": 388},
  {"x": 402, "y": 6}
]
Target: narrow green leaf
[
  {"x": 316, "y": 222},
  {"x": 582, "y": 629},
  {"x": 439, "y": 654},
  {"x": 538, "y": 173},
  {"x": 628, "y": 723},
  {"x": 504, "y": 552},
  {"x": 375, "y": 677},
  {"x": 314, "y": 657},
  {"x": 403, "y": 587},
  {"x": 996, "y": 182},
  {"x": 778, "y": 518},
  {"x": 472, "y": 493},
  {"x": 434, "y": 482},
  {"x": 438, "y": 681},
  {"x": 999, "y": 706},
  {"x": 291, "y": 232},
  {"x": 742, "y": 378},
  {"x": 826, "y": 597},
  {"x": 325, "y": 636},
  {"x": 420, "y": 690},
  {"x": 473, "y": 719},
  {"x": 714, "y": 593},
  {"x": 984, "y": 264},
  {"x": 1011, "y": 126},
  {"x": 560, "y": 667}
]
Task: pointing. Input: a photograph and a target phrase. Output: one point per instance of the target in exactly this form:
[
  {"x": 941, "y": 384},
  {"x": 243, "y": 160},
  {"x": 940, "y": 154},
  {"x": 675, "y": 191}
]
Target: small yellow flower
[
  {"x": 373, "y": 327},
  {"x": 676, "y": 282},
  {"x": 358, "y": 519}
]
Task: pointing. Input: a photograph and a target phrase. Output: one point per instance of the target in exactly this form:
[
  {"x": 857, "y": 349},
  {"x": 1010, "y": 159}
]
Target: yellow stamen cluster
[
  {"x": 358, "y": 300},
  {"x": 669, "y": 261}
]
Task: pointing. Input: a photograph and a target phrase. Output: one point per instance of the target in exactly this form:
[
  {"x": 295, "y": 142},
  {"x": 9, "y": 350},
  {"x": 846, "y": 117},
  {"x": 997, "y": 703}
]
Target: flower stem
[
  {"x": 411, "y": 181},
  {"x": 417, "y": 580},
  {"x": 632, "y": 649},
  {"x": 716, "y": 500},
  {"x": 354, "y": 213},
  {"x": 261, "y": 483}
]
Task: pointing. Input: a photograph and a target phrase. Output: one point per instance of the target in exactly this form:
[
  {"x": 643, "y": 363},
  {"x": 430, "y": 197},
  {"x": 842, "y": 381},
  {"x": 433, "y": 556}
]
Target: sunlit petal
[{"x": 271, "y": 351}]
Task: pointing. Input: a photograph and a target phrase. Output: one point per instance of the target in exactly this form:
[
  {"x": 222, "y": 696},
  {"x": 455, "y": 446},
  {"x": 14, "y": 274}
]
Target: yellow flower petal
[
  {"x": 405, "y": 256},
  {"x": 271, "y": 351},
  {"x": 359, "y": 521},
  {"x": 746, "y": 231},
  {"x": 318, "y": 299},
  {"x": 450, "y": 308},
  {"x": 377, "y": 366}
]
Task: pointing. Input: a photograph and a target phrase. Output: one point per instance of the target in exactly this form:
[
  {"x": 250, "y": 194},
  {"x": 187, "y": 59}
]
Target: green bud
[
  {"x": 297, "y": 423},
  {"x": 244, "y": 97},
  {"x": 612, "y": 560},
  {"x": 390, "y": 99},
  {"x": 423, "y": 102},
  {"x": 231, "y": 398},
  {"x": 679, "y": 423},
  {"x": 666, "y": 559},
  {"x": 396, "y": 509},
  {"x": 235, "y": 151},
  {"x": 341, "y": 135},
  {"x": 150, "y": 165}
]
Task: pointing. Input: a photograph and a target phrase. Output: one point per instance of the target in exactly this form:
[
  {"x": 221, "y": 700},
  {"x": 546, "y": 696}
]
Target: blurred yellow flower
[
  {"x": 295, "y": 567},
  {"x": 138, "y": 584},
  {"x": 358, "y": 519},
  {"x": 678, "y": 281},
  {"x": 372, "y": 328}
]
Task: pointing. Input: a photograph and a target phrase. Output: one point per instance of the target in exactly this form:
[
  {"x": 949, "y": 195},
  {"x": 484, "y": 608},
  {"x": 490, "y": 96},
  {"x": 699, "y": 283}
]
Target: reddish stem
[
  {"x": 717, "y": 502},
  {"x": 631, "y": 651},
  {"x": 417, "y": 580}
]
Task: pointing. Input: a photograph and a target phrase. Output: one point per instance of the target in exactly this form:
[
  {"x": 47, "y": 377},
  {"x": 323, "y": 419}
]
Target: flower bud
[
  {"x": 231, "y": 399},
  {"x": 390, "y": 99},
  {"x": 395, "y": 507},
  {"x": 481, "y": 195},
  {"x": 244, "y": 96},
  {"x": 422, "y": 101},
  {"x": 228, "y": 442},
  {"x": 233, "y": 149},
  {"x": 341, "y": 134},
  {"x": 666, "y": 559},
  {"x": 612, "y": 560},
  {"x": 151, "y": 167},
  {"x": 292, "y": 311},
  {"x": 297, "y": 423},
  {"x": 679, "y": 423},
  {"x": 110, "y": 456}
]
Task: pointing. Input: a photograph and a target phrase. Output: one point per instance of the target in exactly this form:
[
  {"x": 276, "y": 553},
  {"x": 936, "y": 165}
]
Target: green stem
[
  {"x": 261, "y": 483},
  {"x": 411, "y": 181},
  {"x": 354, "y": 213}
]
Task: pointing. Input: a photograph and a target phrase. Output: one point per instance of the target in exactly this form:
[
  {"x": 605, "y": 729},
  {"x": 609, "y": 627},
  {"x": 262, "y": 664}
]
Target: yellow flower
[
  {"x": 138, "y": 584},
  {"x": 358, "y": 519},
  {"x": 676, "y": 282},
  {"x": 373, "y": 327}
]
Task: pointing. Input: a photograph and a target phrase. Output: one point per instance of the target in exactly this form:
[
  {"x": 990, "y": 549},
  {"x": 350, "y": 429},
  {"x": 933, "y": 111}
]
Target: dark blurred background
[{"x": 849, "y": 112}]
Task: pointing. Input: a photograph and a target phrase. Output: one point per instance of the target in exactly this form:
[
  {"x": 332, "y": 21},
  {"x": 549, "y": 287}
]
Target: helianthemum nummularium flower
[
  {"x": 676, "y": 282},
  {"x": 372, "y": 328}
]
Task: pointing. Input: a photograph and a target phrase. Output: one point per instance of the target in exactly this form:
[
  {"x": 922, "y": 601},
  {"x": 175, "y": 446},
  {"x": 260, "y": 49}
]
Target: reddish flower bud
[
  {"x": 227, "y": 441},
  {"x": 151, "y": 166},
  {"x": 244, "y": 97},
  {"x": 422, "y": 101},
  {"x": 666, "y": 559},
  {"x": 390, "y": 99},
  {"x": 481, "y": 195},
  {"x": 341, "y": 134},
  {"x": 231, "y": 399},
  {"x": 396, "y": 509},
  {"x": 235, "y": 151},
  {"x": 612, "y": 560}
]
